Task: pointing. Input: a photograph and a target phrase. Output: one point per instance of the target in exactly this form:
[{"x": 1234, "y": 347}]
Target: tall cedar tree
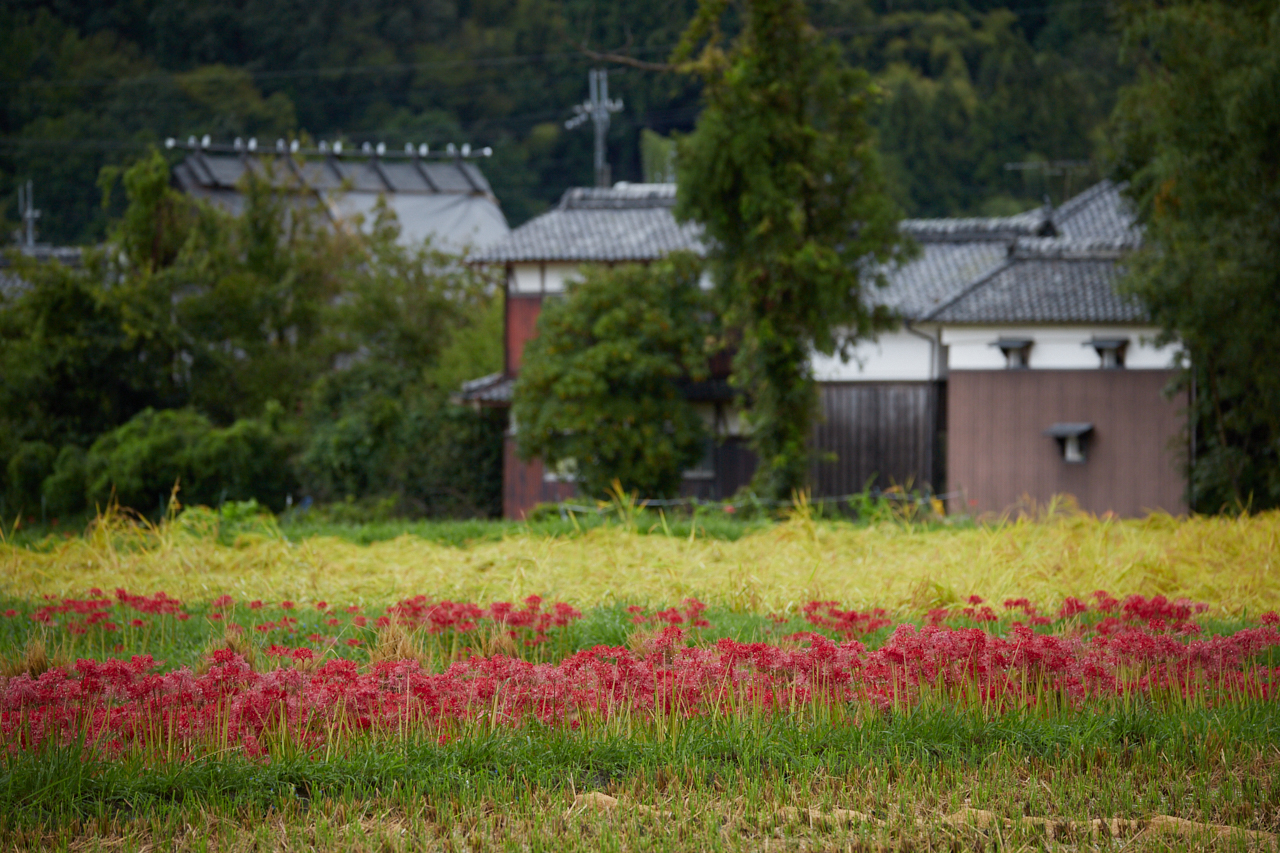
[
  {"x": 782, "y": 173},
  {"x": 1199, "y": 141},
  {"x": 601, "y": 382}
]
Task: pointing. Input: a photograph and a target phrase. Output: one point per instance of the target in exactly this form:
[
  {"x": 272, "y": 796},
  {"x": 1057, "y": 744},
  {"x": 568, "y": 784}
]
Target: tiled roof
[
  {"x": 937, "y": 274},
  {"x": 1068, "y": 278},
  {"x": 622, "y": 223},
  {"x": 634, "y": 222},
  {"x": 495, "y": 388},
  {"x": 1066, "y": 286},
  {"x": 13, "y": 285},
  {"x": 1098, "y": 212},
  {"x": 1034, "y": 222}
]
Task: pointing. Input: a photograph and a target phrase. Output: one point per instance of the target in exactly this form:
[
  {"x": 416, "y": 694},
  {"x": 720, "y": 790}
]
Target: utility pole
[
  {"x": 1053, "y": 168},
  {"x": 597, "y": 108},
  {"x": 29, "y": 214}
]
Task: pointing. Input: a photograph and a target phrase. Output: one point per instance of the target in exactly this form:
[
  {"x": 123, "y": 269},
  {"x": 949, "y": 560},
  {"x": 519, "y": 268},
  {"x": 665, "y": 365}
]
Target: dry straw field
[{"x": 1231, "y": 563}]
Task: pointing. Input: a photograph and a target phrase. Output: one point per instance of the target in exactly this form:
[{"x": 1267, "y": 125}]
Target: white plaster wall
[
  {"x": 893, "y": 357},
  {"x": 1053, "y": 347},
  {"x": 526, "y": 278},
  {"x": 542, "y": 278},
  {"x": 559, "y": 274}
]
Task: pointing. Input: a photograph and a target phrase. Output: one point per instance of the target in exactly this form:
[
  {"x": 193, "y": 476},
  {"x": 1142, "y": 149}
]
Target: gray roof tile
[
  {"x": 1098, "y": 212},
  {"x": 623, "y": 223},
  {"x": 1046, "y": 289},
  {"x": 1032, "y": 252},
  {"x": 494, "y": 388}
]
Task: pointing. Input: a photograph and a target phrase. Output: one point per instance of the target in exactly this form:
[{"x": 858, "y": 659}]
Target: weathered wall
[
  {"x": 521, "y": 323},
  {"x": 880, "y": 432},
  {"x": 998, "y": 454}
]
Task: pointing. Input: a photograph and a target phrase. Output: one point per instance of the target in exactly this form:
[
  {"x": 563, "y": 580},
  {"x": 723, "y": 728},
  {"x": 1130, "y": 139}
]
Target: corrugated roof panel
[
  {"x": 447, "y": 176},
  {"x": 404, "y": 177}
]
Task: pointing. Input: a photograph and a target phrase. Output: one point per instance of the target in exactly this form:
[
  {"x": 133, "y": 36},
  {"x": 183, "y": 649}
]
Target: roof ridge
[
  {"x": 1078, "y": 202},
  {"x": 969, "y": 288},
  {"x": 1073, "y": 248}
]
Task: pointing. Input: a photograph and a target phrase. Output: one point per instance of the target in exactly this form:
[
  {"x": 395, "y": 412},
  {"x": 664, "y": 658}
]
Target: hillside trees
[
  {"x": 970, "y": 86},
  {"x": 782, "y": 173},
  {"x": 1198, "y": 137}
]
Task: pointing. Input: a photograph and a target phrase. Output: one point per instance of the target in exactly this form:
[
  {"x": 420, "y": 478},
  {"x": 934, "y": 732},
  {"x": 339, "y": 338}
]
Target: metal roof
[{"x": 449, "y": 200}]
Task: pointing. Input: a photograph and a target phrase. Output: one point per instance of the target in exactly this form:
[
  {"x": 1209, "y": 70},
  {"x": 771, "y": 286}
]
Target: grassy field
[{"x": 706, "y": 683}]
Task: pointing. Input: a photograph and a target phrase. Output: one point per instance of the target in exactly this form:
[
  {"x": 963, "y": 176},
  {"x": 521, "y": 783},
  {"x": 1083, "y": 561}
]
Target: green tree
[
  {"x": 600, "y": 386},
  {"x": 1199, "y": 140},
  {"x": 782, "y": 173}
]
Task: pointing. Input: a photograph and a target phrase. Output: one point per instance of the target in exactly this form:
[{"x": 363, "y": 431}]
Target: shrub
[
  {"x": 30, "y": 463},
  {"x": 64, "y": 489},
  {"x": 600, "y": 387},
  {"x": 142, "y": 460}
]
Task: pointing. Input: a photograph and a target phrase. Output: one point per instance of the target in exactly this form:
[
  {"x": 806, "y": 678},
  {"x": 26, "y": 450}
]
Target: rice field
[
  {"x": 1062, "y": 682},
  {"x": 1231, "y": 563}
]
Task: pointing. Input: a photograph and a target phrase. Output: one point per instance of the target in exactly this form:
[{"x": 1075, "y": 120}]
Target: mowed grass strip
[
  {"x": 1231, "y": 563},
  {"x": 1193, "y": 780}
]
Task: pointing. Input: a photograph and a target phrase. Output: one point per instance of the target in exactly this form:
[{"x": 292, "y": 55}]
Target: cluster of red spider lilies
[{"x": 1106, "y": 650}]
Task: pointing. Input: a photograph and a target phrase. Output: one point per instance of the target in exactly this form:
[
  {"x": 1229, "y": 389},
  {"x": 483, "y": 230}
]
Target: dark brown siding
[
  {"x": 879, "y": 432},
  {"x": 522, "y": 319},
  {"x": 523, "y": 486},
  {"x": 998, "y": 455}
]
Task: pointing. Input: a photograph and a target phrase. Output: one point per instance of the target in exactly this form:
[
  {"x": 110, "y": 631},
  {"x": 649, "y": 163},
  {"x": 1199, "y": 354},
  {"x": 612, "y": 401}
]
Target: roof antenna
[{"x": 597, "y": 108}]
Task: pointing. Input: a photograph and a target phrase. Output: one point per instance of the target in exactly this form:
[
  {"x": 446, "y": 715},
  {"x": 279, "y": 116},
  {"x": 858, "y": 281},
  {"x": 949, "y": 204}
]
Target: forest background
[
  {"x": 970, "y": 86},
  {"x": 341, "y": 392}
]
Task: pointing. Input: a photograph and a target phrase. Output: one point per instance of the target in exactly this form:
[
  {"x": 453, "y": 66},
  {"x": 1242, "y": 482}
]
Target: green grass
[{"x": 727, "y": 784}]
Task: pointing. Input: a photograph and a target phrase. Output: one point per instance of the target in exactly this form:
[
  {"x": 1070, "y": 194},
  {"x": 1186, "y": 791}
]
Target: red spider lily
[{"x": 115, "y": 703}]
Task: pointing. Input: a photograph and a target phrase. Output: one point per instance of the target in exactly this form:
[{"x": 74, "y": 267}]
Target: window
[
  {"x": 1017, "y": 352},
  {"x": 1110, "y": 351},
  {"x": 1072, "y": 440}
]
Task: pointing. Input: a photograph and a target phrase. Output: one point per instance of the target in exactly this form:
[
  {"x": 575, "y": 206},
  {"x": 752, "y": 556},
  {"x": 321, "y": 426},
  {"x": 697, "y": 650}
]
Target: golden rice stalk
[{"x": 1232, "y": 563}]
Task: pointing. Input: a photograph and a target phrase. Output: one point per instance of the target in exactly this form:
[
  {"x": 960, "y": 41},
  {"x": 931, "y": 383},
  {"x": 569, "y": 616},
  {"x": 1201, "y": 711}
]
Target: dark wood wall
[
  {"x": 999, "y": 455},
  {"x": 883, "y": 433},
  {"x": 523, "y": 484}
]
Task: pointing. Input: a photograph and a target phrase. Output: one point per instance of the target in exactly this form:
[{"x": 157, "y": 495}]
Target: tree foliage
[
  {"x": 1198, "y": 137},
  {"x": 600, "y": 388},
  {"x": 782, "y": 173},
  {"x": 204, "y": 347}
]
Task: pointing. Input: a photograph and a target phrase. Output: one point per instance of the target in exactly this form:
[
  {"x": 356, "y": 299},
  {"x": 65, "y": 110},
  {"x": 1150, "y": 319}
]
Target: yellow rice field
[{"x": 1231, "y": 563}]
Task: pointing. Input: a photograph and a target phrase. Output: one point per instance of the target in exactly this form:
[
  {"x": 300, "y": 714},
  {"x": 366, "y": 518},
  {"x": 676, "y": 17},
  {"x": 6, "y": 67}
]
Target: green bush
[
  {"x": 600, "y": 388},
  {"x": 247, "y": 461},
  {"x": 64, "y": 489},
  {"x": 376, "y": 435},
  {"x": 30, "y": 463},
  {"x": 142, "y": 460}
]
